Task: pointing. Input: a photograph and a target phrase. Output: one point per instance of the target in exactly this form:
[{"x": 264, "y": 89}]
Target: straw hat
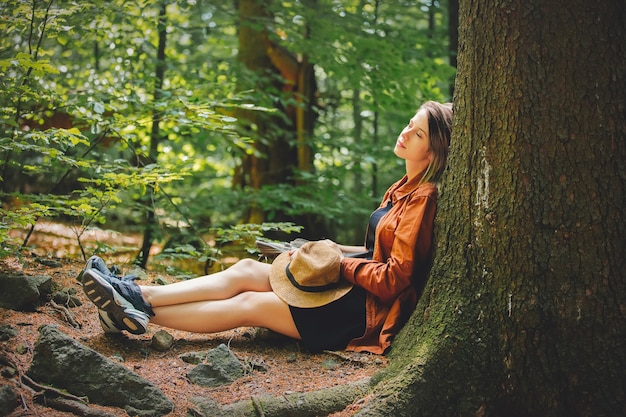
[{"x": 309, "y": 277}]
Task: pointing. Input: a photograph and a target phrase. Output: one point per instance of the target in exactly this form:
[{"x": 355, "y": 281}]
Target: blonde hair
[{"x": 439, "y": 132}]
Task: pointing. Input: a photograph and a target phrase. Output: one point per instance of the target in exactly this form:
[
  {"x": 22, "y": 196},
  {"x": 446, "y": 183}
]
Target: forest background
[
  {"x": 207, "y": 124},
  {"x": 197, "y": 123}
]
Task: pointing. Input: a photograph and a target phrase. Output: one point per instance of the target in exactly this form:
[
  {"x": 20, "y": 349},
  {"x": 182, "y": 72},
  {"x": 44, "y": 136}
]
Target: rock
[
  {"x": 222, "y": 368},
  {"x": 52, "y": 263},
  {"x": 7, "y": 332},
  {"x": 8, "y": 400},
  {"x": 159, "y": 280},
  {"x": 66, "y": 298},
  {"x": 193, "y": 358},
  {"x": 205, "y": 407},
  {"x": 64, "y": 363},
  {"x": 162, "y": 341},
  {"x": 8, "y": 372},
  {"x": 137, "y": 272},
  {"x": 23, "y": 292}
]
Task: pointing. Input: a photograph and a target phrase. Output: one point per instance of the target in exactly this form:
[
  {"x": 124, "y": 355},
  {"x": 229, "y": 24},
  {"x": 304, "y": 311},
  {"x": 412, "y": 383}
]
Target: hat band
[{"x": 309, "y": 288}]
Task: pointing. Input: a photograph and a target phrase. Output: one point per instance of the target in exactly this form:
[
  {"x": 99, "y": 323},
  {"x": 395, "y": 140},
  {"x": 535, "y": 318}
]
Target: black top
[{"x": 371, "y": 229}]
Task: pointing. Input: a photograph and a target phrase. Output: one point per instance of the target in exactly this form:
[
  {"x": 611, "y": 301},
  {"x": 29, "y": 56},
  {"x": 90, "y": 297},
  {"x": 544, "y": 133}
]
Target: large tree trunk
[
  {"x": 281, "y": 140},
  {"x": 524, "y": 312}
]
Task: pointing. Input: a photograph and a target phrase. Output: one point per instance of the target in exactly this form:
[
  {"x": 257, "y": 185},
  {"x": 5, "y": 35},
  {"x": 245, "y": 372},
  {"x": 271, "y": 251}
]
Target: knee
[
  {"x": 249, "y": 266},
  {"x": 245, "y": 263},
  {"x": 247, "y": 302},
  {"x": 252, "y": 275}
]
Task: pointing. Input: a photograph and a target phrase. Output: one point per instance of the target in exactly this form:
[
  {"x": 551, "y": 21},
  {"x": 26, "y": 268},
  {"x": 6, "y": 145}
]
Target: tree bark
[
  {"x": 155, "y": 137},
  {"x": 523, "y": 314},
  {"x": 322, "y": 402},
  {"x": 282, "y": 143}
]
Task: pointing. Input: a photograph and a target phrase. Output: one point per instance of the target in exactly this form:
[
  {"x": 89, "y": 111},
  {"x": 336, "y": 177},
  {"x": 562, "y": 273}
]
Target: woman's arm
[
  {"x": 347, "y": 249},
  {"x": 352, "y": 249},
  {"x": 391, "y": 273}
]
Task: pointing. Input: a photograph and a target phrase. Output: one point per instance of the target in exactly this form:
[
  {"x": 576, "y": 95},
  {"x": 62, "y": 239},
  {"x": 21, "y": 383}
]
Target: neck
[{"x": 414, "y": 169}]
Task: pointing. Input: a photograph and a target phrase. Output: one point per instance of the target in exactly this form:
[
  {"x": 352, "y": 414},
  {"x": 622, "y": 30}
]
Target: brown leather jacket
[{"x": 399, "y": 263}]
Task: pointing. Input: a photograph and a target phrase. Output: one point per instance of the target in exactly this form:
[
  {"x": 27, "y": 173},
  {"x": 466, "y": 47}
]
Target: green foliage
[
  {"x": 240, "y": 238},
  {"x": 23, "y": 217},
  {"x": 248, "y": 233},
  {"x": 77, "y": 108}
]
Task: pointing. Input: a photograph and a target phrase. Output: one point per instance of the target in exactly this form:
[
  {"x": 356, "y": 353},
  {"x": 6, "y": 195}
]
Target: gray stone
[
  {"x": 23, "y": 292},
  {"x": 7, "y": 332},
  {"x": 64, "y": 363},
  {"x": 8, "y": 372},
  {"x": 66, "y": 298},
  {"x": 162, "y": 341},
  {"x": 8, "y": 400},
  {"x": 205, "y": 407},
  {"x": 193, "y": 358},
  {"x": 222, "y": 368},
  {"x": 52, "y": 263}
]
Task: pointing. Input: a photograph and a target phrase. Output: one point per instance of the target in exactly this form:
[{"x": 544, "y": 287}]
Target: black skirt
[{"x": 333, "y": 325}]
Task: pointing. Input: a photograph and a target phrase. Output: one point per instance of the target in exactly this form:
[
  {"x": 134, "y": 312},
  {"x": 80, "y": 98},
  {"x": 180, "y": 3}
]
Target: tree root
[
  {"x": 66, "y": 314},
  {"x": 44, "y": 389},
  {"x": 360, "y": 359},
  {"x": 46, "y": 395},
  {"x": 310, "y": 404},
  {"x": 75, "y": 407}
]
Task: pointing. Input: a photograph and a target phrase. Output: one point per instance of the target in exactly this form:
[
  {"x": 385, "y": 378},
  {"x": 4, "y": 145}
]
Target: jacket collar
[{"x": 404, "y": 187}]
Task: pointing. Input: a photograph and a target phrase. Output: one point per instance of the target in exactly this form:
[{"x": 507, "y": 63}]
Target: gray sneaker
[
  {"x": 123, "y": 313},
  {"x": 107, "y": 321},
  {"x": 97, "y": 263}
]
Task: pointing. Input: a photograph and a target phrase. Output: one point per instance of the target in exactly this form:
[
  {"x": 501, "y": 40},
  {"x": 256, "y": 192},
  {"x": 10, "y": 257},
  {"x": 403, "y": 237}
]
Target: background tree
[
  {"x": 373, "y": 63},
  {"x": 524, "y": 311},
  {"x": 285, "y": 83},
  {"x": 77, "y": 87},
  {"x": 155, "y": 135}
]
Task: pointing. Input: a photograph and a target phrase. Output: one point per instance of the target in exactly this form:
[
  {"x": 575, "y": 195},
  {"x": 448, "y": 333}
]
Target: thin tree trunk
[
  {"x": 453, "y": 35},
  {"x": 155, "y": 137}
]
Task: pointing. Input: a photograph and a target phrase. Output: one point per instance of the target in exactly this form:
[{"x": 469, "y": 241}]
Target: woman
[{"x": 314, "y": 294}]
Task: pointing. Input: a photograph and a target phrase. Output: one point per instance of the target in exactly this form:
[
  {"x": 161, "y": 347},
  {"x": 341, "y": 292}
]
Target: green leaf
[{"x": 98, "y": 107}]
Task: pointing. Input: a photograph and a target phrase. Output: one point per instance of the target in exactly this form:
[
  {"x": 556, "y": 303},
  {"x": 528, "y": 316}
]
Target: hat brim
[{"x": 294, "y": 297}]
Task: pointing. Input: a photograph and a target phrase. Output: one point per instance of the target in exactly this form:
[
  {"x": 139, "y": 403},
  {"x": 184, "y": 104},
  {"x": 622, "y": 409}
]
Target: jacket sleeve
[{"x": 397, "y": 252}]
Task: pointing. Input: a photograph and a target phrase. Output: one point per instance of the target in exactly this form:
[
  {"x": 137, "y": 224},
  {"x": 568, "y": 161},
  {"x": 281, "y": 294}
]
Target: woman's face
[{"x": 413, "y": 144}]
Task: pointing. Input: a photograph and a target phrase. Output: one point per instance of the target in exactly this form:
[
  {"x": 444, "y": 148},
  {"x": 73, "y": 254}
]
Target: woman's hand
[{"x": 332, "y": 244}]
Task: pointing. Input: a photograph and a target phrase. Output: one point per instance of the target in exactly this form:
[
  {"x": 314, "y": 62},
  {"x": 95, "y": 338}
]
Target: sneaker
[
  {"x": 97, "y": 263},
  {"x": 108, "y": 322},
  {"x": 106, "y": 296}
]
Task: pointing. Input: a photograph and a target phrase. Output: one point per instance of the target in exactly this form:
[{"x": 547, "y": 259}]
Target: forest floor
[{"x": 282, "y": 366}]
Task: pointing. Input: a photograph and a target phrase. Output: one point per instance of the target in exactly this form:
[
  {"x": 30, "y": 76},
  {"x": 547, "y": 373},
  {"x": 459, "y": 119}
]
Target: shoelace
[{"x": 129, "y": 277}]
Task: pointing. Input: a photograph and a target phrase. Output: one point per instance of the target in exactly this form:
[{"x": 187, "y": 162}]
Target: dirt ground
[{"x": 278, "y": 364}]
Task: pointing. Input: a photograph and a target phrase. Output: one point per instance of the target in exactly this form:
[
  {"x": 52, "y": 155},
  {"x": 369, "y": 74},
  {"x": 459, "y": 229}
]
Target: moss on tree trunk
[{"x": 523, "y": 314}]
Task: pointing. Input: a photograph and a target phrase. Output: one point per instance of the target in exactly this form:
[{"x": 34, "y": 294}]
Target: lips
[{"x": 399, "y": 144}]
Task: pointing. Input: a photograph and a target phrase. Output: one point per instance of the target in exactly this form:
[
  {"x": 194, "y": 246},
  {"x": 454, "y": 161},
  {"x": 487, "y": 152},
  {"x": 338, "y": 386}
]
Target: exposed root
[{"x": 66, "y": 314}]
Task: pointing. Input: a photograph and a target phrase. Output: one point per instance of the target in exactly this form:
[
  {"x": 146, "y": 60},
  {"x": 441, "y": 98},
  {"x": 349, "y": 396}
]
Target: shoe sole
[
  {"x": 104, "y": 296},
  {"x": 108, "y": 323}
]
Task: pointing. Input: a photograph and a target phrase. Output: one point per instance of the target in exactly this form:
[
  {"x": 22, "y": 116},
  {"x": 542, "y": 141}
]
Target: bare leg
[
  {"x": 245, "y": 275},
  {"x": 249, "y": 309}
]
